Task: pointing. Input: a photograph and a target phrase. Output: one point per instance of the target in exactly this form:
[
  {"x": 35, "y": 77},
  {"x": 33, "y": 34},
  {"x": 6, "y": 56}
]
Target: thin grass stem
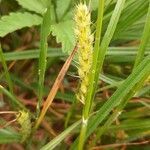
[{"x": 87, "y": 106}]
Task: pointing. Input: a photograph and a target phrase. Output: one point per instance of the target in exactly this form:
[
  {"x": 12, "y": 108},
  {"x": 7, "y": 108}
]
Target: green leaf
[
  {"x": 9, "y": 136},
  {"x": 128, "y": 86},
  {"x": 94, "y": 4},
  {"x": 32, "y": 5},
  {"x": 64, "y": 34},
  {"x": 62, "y": 8},
  {"x": 52, "y": 144},
  {"x": 32, "y": 54},
  {"x": 99, "y": 53},
  {"x": 144, "y": 40},
  {"x": 6, "y": 72},
  {"x": 131, "y": 14},
  {"x": 131, "y": 125},
  {"x": 45, "y": 31},
  {"x": 12, "y": 98},
  {"x": 125, "y": 91},
  {"x": 15, "y": 21},
  {"x": 114, "y": 54}
]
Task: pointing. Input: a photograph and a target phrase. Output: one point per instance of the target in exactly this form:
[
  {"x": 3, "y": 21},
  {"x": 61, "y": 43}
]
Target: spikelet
[
  {"x": 85, "y": 45},
  {"x": 23, "y": 119}
]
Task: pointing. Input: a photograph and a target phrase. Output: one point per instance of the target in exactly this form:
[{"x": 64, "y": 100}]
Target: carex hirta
[{"x": 85, "y": 47}]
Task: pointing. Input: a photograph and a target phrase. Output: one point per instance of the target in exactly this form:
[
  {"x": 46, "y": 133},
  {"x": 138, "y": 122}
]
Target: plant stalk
[{"x": 87, "y": 106}]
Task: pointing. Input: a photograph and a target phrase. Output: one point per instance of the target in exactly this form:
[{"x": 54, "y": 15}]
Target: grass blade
[
  {"x": 32, "y": 54},
  {"x": 52, "y": 144},
  {"x": 45, "y": 31},
  {"x": 126, "y": 90},
  {"x": 13, "y": 98},
  {"x": 139, "y": 58},
  {"x": 144, "y": 40},
  {"x": 131, "y": 125},
  {"x": 100, "y": 55},
  {"x": 57, "y": 52},
  {"x": 9, "y": 136},
  {"x": 10, "y": 84}
]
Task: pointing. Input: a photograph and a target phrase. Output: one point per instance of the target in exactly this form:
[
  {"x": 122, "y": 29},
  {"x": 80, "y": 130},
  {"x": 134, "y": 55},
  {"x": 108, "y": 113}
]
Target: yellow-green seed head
[
  {"x": 24, "y": 120},
  {"x": 85, "y": 45}
]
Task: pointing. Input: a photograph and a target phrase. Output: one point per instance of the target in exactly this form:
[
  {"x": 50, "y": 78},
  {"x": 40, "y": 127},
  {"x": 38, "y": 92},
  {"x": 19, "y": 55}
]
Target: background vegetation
[{"x": 37, "y": 38}]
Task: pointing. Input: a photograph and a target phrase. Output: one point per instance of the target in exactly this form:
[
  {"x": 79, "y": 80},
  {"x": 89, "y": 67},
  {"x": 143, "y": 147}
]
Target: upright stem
[{"x": 87, "y": 106}]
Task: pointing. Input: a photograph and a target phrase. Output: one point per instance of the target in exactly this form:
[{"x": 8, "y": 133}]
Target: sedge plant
[
  {"x": 98, "y": 59},
  {"x": 86, "y": 57},
  {"x": 85, "y": 53},
  {"x": 91, "y": 48}
]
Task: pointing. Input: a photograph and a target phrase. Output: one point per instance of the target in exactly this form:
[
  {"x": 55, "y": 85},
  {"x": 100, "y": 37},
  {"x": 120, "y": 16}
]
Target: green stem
[
  {"x": 99, "y": 54},
  {"x": 87, "y": 106},
  {"x": 82, "y": 134},
  {"x": 144, "y": 40}
]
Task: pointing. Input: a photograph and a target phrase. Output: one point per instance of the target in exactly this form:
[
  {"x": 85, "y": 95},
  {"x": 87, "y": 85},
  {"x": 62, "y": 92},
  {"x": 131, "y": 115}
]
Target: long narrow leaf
[
  {"x": 144, "y": 40},
  {"x": 45, "y": 31},
  {"x": 10, "y": 84},
  {"x": 130, "y": 85},
  {"x": 52, "y": 144},
  {"x": 12, "y": 98},
  {"x": 97, "y": 64},
  {"x": 115, "y": 52},
  {"x": 9, "y": 136}
]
